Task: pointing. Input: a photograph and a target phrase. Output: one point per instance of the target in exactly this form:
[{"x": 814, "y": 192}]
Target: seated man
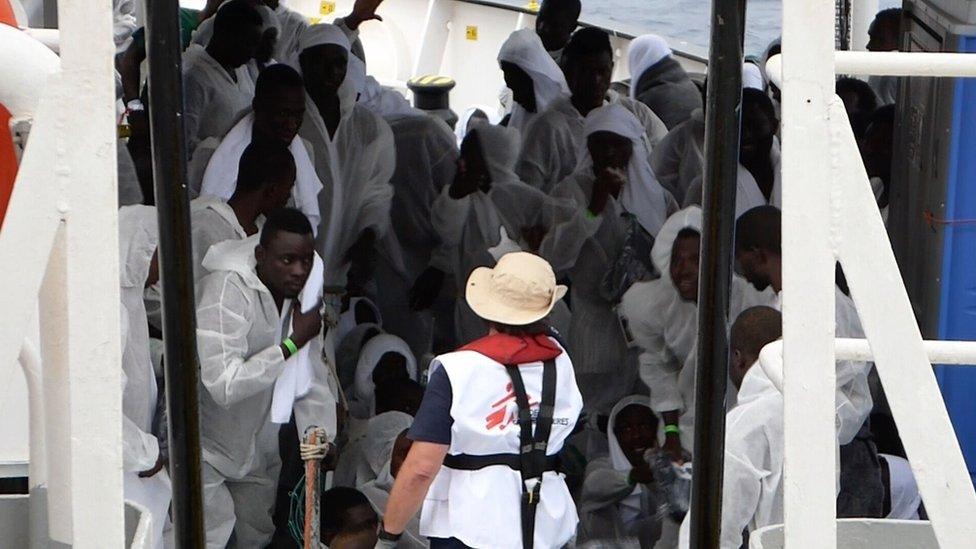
[
  {"x": 752, "y": 494},
  {"x": 758, "y": 254},
  {"x": 247, "y": 306},
  {"x": 553, "y": 141},
  {"x": 264, "y": 184},
  {"x": 658, "y": 81},
  {"x": 217, "y": 88},
  {"x": 621, "y": 497}
]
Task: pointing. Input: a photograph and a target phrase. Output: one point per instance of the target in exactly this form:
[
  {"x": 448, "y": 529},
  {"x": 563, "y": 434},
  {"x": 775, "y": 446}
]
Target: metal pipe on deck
[
  {"x": 176, "y": 271},
  {"x": 721, "y": 166}
]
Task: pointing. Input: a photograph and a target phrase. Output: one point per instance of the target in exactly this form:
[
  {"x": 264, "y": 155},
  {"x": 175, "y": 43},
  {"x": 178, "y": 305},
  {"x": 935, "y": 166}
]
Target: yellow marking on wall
[
  {"x": 471, "y": 32},
  {"x": 326, "y": 7}
]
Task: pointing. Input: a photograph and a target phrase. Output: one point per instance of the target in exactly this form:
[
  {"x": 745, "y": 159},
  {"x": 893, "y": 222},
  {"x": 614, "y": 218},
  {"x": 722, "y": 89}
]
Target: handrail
[
  {"x": 941, "y": 352},
  {"x": 884, "y": 63}
]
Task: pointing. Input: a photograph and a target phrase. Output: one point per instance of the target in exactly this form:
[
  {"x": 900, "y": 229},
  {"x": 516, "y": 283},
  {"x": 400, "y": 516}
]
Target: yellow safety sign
[
  {"x": 326, "y": 7},
  {"x": 471, "y": 32}
]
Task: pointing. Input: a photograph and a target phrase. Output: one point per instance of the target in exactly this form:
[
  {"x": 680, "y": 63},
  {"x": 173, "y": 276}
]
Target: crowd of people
[{"x": 345, "y": 243}]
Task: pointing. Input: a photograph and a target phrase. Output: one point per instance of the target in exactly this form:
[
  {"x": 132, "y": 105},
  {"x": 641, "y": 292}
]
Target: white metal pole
[
  {"x": 862, "y": 13},
  {"x": 893, "y": 63},
  {"x": 808, "y": 277},
  {"x": 949, "y": 353},
  {"x": 90, "y": 231}
]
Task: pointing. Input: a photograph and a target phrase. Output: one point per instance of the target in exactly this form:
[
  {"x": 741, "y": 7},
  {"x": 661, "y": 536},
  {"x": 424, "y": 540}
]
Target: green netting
[{"x": 296, "y": 515}]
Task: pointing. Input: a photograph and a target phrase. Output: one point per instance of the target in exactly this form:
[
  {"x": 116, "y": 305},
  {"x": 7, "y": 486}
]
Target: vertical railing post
[
  {"x": 721, "y": 168},
  {"x": 176, "y": 271},
  {"x": 808, "y": 261}
]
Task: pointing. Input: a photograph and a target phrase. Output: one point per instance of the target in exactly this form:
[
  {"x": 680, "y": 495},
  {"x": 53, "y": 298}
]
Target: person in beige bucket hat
[
  {"x": 496, "y": 413},
  {"x": 520, "y": 290}
]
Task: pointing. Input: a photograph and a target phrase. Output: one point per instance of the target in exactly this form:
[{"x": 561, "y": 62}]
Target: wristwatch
[{"x": 383, "y": 535}]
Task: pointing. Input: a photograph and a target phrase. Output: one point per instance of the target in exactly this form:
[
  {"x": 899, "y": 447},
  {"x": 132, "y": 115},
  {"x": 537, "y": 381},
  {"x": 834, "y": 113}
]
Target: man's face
[
  {"x": 882, "y": 37},
  {"x": 684, "y": 266},
  {"x": 279, "y": 116},
  {"x": 609, "y": 150},
  {"x": 279, "y": 191},
  {"x": 284, "y": 264},
  {"x": 750, "y": 263},
  {"x": 244, "y": 44},
  {"x": 400, "y": 450},
  {"x": 471, "y": 166},
  {"x": 589, "y": 79},
  {"x": 523, "y": 89},
  {"x": 359, "y": 516},
  {"x": 324, "y": 68},
  {"x": 758, "y": 131},
  {"x": 555, "y": 26},
  {"x": 391, "y": 367},
  {"x": 634, "y": 429},
  {"x": 739, "y": 364}
]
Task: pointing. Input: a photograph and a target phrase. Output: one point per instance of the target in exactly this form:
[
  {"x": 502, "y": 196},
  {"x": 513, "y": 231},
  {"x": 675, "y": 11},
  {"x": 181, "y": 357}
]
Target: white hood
[
  {"x": 236, "y": 256},
  {"x": 688, "y": 218},
  {"x": 765, "y": 376}
]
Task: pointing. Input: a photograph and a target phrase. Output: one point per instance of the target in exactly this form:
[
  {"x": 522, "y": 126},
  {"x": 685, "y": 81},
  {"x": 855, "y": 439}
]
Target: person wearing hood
[
  {"x": 354, "y": 152},
  {"x": 621, "y": 499},
  {"x": 217, "y": 88},
  {"x": 465, "y": 467},
  {"x": 385, "y": 448},
  {"x": 278, "y": 109},
  {"x": 613, "y": 192},
  {"x": 145, "y": 479},
  {"x": 535, "y": 79},
  {"x": 555, "y": 23},
  {"x": 752, "y": 493},
  {"x": 385, "y": 357},
  {"x": 554, "y": 140},
  {"x": 758, "y": 255},
  {"x": 249, "y": 327},
  {"x": 479, "y": 115},
  {"x": 659, "y": 81},
  {"x": 759, "y": 179},
  {"x": 486, "y": 212},
  {"x": 264, "y": 182},
  {"x": 661, "y": 319}
]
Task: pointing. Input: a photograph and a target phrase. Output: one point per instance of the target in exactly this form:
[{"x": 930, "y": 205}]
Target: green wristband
[
  {"x": 290, "y": 345},
  {"x": 671, "y": 429},
  {"x": 591, "y": 215}
]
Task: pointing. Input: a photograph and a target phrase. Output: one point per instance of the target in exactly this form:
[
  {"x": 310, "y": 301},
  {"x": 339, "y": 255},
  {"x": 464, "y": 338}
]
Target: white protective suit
[
  {"x": 524, "y": 49},
  {"x": 213, "y": 101},
  {"x": 587, "y": 246},
  {"x": 426, "y": 156},
  {"x": 472, "y": 226},
  {"x": 464, "y": 123},
  {"x": 123, "y": 23},
  {"x": 747, "y": 193},
  {"x": 664, "y": 327},
  {"x": 354, "y": 166},
  {"x": 348, "y": 349},
  {"x": 660, "y": 82},
  {"x": 238, "y": 335},
  {"x": 614, "y": 510},
  {"x": 886, "y": 88},
  {"x": 290, "y": 27},
  {"x": 363, "y": 406},
  {"x": 554, "y": 141},
  {"x": 854, "y": 400},
  {"x": 220, "y": 177},
  {"x": 905, "y": 498},
  {"x": 381, "y": 435},
  {"x": 212, "y": 221},
  {"x": 678, "y": 160},
  {"x": 138, "y": 238}
]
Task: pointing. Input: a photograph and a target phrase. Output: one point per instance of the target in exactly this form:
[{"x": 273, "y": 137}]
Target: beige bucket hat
[{"x": 520, "y": 290}]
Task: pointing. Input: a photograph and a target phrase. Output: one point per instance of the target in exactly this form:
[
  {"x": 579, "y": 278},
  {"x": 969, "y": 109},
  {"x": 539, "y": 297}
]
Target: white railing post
[{"x": 808, "y": 277}]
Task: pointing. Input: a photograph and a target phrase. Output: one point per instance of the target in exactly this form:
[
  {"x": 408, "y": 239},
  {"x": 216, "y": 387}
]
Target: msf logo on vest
[{"x": 505, "y": 411}]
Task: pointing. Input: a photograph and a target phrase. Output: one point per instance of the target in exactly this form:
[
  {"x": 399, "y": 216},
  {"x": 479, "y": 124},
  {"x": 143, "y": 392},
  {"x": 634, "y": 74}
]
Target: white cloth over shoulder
[
  {"x": 381, "y": 434},
  {"x": 296, "y": 380},
  {"x": 290, "y": 27},
  {"x": 220, "y": 178},
  {"x": 642, "y": 195},
  {"x": 645, "y": 52},
  {"x": 905, "y": 498},
  {"x": 524, "y": 49}
]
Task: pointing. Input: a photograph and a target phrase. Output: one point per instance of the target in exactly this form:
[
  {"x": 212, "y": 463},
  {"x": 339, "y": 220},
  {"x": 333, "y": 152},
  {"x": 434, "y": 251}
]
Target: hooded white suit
[
  {"x": 138, "y": 238},
  {"x": 212, "y": 101},
  {"x": 212, "y": 221},
  {"x": 239, "y": 333},
  {"x": 524, "y": 49}
]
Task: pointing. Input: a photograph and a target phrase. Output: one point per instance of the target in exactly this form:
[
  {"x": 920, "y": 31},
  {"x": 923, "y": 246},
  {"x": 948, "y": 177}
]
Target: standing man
[
  {"x": 555, "y": 23},
  {"x": 248, "y": 327},
  {"x": 467, "y": 423},
  {"x": 885, "y": 35},
  {"x": 217, "y": 88}
]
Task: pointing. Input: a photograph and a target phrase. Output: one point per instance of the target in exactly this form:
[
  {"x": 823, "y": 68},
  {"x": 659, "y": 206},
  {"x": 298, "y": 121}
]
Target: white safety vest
[{"x": 482, "y": 508}]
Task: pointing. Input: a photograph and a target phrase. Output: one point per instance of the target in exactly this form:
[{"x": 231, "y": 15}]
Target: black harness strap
[
  {"x": 472, "y": 462},
  {"x": 532, "y": 449}
]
